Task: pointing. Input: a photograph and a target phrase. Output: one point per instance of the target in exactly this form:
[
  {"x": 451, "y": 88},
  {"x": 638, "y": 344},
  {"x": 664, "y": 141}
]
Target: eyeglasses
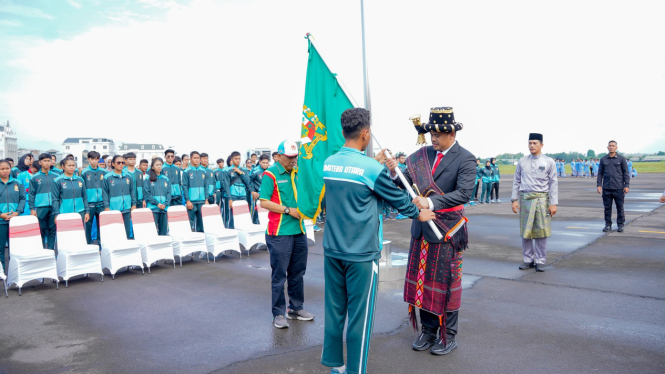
[{"x": 170, "y": 156}]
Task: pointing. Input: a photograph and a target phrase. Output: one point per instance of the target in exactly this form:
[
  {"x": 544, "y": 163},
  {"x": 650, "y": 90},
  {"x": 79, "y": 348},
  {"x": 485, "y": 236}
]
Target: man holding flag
[{"x": 356, "y": 187}]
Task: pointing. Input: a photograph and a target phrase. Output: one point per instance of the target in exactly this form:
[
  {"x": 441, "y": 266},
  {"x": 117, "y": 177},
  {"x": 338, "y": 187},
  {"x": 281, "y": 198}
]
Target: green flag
[{"x": 321, "y": 131}]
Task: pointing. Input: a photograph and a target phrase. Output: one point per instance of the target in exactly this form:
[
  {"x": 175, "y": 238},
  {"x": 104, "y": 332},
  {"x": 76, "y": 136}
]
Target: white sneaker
[
  {"x": 498, "y": 201},
  {"x": 491, "y": 201}
]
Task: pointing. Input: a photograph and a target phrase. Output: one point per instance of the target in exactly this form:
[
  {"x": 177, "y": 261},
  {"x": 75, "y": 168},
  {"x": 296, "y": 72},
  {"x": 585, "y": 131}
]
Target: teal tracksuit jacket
[
  {"x": 497, "y": 174},
  {"x": 94, "y": 180},
  {"x": 174, "y": 174},
  {"x": 41, "y": 190},
  {"x": 137, "y": 176},
  {"x": 69, "y": 195},
  {"x": 239, "y": 184},
  {"x": 486, "y": 174},
  {"x": 256, "y": 179},
  {"x": 356, "y": 187},
  {"x": 157, "y": 192},
  {"x": 210, "y": 181},
  {"x": 12, "y": 198},
  {"x": 222, "y": 184},
  {"x": 194, "y": 184},
  {"x": 118, "y": 192}
]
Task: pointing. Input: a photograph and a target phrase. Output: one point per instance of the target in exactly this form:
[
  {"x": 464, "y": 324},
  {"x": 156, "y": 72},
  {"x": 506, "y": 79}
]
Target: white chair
[
  {"x": 153, "y": 247},
  {"x": 249, "y": 234},
  {"x": 117, "y": 251},
  {"x": 185, "y": 242},
  {"x": 218, "y": 238},
  {"x": 29, "y": 260},
  {"x": 4, "y": 281},
  {"x": 75, "y": 255}
]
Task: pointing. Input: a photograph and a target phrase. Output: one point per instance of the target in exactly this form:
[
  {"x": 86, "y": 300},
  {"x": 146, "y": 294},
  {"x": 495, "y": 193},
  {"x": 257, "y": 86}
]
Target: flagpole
[{"x": 368, "y": 105}]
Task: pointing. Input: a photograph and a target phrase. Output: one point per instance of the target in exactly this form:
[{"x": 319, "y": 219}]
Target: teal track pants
[{"x": 351, "y": 288}]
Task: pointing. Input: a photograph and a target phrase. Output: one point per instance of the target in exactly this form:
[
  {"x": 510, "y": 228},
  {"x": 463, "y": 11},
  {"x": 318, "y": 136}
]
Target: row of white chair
[{"x": 30, "y": 261}]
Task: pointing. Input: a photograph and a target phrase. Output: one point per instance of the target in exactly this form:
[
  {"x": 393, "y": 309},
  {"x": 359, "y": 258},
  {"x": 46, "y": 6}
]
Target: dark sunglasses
[
  {"x": 170, "y": 156},
  {"x": 119, "y": 162}
]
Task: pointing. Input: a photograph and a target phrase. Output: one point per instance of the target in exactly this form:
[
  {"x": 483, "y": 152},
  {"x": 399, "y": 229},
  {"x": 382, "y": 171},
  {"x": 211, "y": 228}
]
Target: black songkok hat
[{"x": 534, "y": 136}]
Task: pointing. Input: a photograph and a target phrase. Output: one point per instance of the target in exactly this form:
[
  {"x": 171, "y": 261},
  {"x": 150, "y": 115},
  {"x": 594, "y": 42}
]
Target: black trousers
[
  {"x": 4, "y": 239},
  {"x": 176, "y": 200},
  {"x": 479, "y": 185},
  {"x": 94, "y": 212},
  {"x": 46, "y": 226},
  {"x": 288, "y": 260},
  {"x": 127, "y": 219},
  {"x": 494, "y": 194},
  {"x": 195, "y": 217},
  {"x": 162, "y": 222},
  {"x": 617, "y": 196},
  {"x": 431, "y": 322}
]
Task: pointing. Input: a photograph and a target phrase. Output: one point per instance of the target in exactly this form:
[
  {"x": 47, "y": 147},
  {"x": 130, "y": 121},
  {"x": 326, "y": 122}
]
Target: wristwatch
[{"x": 287, "y": 210}]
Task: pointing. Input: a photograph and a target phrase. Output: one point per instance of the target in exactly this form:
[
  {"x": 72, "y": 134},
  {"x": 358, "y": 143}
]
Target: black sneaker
[
  {"x": 526, "y": 265},
  {"x": 607, "y": 228},
  {"x": 426, "y": 339},
  {"x": 439, "y": 349},
  {"x": 620, "y": 229}
]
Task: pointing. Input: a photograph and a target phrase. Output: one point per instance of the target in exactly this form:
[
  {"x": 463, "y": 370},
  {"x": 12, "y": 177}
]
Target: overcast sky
[{"x": 219, "y": 76}]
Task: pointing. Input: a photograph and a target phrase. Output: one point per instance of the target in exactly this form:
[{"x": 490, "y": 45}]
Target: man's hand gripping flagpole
[{"x": 409, "y": 189}]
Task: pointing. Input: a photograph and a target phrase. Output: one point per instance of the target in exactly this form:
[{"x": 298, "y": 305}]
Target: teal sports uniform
[
  {"x": 12, "y": 199},
  {"x": 155, "y": 193},
  {"x": 70, "y": 196},
  {"x": 194, "y": 187},
  {"x": 94, "y": 181},
  {"x": 119, "y": 193},
  {"x": 174, "y": 174},
  {"x": 40, "y": 199},
  {"x": 356, "y": 188}
]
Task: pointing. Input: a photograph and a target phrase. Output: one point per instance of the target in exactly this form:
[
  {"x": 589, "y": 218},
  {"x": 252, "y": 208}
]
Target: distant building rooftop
[
  {"x": 94, "y": 140},
  {"x": 143, "y": 146}
]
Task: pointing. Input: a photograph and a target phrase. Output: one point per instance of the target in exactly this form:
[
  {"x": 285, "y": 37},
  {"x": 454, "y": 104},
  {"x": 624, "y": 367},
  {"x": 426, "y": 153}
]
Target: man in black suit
[{"x": 445, "y": 175}]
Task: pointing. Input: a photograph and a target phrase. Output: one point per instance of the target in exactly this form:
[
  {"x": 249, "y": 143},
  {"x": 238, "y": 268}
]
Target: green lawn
[{"x": 641, "y": 167}]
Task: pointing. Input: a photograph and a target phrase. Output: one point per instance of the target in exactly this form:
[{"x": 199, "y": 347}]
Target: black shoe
[
  {"x": 540, "y": 267},
  {"x": 439, "y": 349},
  {"x": 425, "y": 340},
  {"x": 620, "y": 229},
  {"x": 607, "y": 228},
  {"x": 526, "y": 266}
]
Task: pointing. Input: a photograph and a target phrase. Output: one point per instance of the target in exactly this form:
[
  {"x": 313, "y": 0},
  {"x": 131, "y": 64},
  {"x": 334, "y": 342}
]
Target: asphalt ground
[{"x": 600, "y": 308}]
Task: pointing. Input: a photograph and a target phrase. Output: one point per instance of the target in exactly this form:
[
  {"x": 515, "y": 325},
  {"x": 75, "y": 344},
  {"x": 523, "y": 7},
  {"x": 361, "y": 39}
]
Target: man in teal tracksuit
[
  {"x": 487, "y": 176},
  {"x": 137, "y": 177},
  {"x": 210, "y": 178},
  {"x": 40, "y": 200},
  {"x": 256, "y": 179},
  {"x": 118, "y": 193},
  {"x": 194, "y": 189},
  {"x": 174, "y": 174},
  {"x": 12, "y": 203},
  {"x": 222, "y": 184},
  {"x": 93, "y": 177},
  {"x": 356, "y": 187},
  {"x": 239, "y": 185}
]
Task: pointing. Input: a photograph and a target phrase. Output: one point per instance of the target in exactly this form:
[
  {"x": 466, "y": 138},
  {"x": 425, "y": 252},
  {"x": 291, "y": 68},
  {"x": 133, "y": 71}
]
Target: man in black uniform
[{"x": 613, "y": 182}]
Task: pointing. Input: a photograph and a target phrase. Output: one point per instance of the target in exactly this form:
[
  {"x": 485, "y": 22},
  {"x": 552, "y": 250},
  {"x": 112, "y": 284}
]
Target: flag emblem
[
  {"x": 16, "y": 188},
  {"x": 312, "y": 129},
  {"x": 80, "y": 184}
]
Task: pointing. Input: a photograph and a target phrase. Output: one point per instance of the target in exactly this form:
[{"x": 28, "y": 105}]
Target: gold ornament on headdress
[{"x": 421, "y": 135}]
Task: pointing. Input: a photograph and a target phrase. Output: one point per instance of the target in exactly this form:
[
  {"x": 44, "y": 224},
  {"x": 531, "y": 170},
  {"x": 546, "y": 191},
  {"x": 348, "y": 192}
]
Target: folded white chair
[
  {"x": 153, "y": 247},
  {"x": 75, "y": 255},
  {"x": 185, "y": 242},
  {"x": 117, "y": 251},
  {"x": 218, "y": 238},
  {"x": 29, "y": 260},
  {"x": 4, "y": 281},
  {"x": 249, "y": 234}
]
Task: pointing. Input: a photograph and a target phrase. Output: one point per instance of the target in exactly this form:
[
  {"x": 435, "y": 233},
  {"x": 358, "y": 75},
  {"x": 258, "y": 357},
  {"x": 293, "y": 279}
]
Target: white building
[
  {"x": 80, "y": 147},
  {"x": 143, "y": 151},
  {"x": 8, "y": 143}
]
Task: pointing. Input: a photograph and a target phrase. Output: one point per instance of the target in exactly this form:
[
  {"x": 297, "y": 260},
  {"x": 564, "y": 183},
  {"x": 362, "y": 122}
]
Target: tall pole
[{"x": 368, "y": 104}]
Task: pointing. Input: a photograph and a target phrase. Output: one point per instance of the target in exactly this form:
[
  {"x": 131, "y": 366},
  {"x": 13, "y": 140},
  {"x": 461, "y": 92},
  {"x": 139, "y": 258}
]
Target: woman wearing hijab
[{"x": 24, "y": 164}]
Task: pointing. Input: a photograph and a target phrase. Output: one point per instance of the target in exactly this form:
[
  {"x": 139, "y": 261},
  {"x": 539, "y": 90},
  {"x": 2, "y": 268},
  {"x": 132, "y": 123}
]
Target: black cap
[{"x": 534, "y": 136}]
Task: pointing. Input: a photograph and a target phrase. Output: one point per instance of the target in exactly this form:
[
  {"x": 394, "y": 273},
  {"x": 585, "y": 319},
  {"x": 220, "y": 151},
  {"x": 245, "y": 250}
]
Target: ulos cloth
[{"x": 535, "y": 221}]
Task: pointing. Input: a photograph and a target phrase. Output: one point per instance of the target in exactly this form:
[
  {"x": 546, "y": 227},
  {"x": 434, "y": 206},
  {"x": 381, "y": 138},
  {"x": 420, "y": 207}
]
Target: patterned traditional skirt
[
  {"x": 433, "y": 277},
  {"x": 535, "y": 221}
]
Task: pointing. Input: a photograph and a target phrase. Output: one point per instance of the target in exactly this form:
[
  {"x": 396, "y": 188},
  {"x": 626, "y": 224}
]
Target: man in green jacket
[{"x": 356, "y": 187}]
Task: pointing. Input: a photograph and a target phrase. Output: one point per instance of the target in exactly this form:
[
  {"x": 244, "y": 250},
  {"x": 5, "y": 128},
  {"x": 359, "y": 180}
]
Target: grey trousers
[{"x": 534, "y": 250}]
